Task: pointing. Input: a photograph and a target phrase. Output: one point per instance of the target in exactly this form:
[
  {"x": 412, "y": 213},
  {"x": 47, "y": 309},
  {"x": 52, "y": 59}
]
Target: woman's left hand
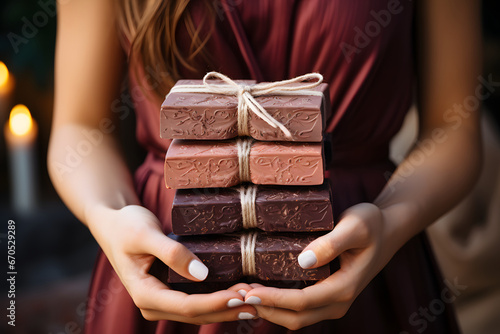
[{"x": 361, "y": 241}]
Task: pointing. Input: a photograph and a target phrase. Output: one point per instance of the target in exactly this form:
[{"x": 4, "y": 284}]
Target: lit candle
[
  {"x": 6, "y": 87},
  {"x": 20, "y": 135}
]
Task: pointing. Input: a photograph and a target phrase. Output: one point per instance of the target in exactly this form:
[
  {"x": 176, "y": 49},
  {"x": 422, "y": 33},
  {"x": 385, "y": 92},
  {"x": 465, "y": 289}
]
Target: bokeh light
[
  {"x": 4, "y": 74},
  {"x": 20, "y": 122}
]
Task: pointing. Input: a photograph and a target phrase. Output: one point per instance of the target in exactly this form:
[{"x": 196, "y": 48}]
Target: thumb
[
  {"x": 352, "y": 231},
  {"x": 177, "y": 257}
]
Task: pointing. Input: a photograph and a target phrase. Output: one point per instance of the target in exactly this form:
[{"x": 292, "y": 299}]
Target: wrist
[
  {"x": 401, "y": 222},
  {"x": 96, "y": 215}
]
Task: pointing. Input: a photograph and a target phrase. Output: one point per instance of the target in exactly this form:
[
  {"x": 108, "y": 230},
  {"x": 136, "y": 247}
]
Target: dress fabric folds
[{"x": 364, "y": 49}]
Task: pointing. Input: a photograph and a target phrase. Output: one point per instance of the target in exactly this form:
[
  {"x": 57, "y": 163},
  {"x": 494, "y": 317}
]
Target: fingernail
[
  {"x": 242, "y": 292},
  {"x": 235, "y": 302},
  {"x": 307, "y": 259},
  {"x": 245, "y": 316},
  {"x": 254, "y": 300},
  {"x": 198, "y": 270}
]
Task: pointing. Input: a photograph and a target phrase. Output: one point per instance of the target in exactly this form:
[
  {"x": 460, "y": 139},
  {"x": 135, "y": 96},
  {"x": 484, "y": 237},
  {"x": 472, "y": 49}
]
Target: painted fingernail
[
  {"x": 245, "y": 316},
  {"x": 198, "y": 270},
  {"x": 235, "y": 302},
  {"x": 242, "y": 292},
  {"x": 307, "y": 259},
  {"x": 254, "y": 300}
]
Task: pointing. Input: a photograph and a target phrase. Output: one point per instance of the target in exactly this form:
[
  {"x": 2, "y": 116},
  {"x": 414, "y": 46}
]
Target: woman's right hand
[{"x": 132, "y": 238}]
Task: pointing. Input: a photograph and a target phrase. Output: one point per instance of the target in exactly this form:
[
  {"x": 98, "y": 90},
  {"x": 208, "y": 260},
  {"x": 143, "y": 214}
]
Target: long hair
[{"x": 150, "y": 26}]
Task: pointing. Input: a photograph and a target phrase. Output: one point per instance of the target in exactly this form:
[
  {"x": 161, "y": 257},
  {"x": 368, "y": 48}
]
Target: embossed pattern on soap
[
  {"x": 197, "y": 212},
  {"x": 275, "y": 257},
  {"x": 213, "y": 117},
  {"x": 286, "y": 163},
  {"x": 278, "y": 209},
  {"x": 212, "y": 164}
]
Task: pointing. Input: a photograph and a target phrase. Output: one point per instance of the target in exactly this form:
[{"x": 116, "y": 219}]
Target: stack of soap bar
[
  {"x": 204, "y": 164},
  {"x": 277, "y": 209},
  {"x": 213, "y": 116},
  {"x": 246, "y": 206}
]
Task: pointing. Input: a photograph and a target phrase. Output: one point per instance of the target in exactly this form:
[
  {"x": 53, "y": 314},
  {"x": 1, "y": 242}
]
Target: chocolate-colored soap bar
[
  {"x": 275, "y": 258},
  {"x": 214, "y": 164},
  {"x": 275, "y": 209},
  {"x": 211, "y": 116}
]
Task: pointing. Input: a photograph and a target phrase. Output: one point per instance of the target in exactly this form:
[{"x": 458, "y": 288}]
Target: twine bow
[{"x": 246, "y": 95}]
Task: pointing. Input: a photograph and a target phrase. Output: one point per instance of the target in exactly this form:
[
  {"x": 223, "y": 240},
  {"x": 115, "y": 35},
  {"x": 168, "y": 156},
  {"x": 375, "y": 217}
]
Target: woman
[{"x": 388, "y": 282}]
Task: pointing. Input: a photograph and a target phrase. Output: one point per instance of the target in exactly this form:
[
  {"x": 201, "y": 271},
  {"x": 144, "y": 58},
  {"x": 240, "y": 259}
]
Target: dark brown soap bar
[
  {"x": 212, "y": 164},
  {"x": 277, "y": 209},
  {"x": 275, "y": 258},
  {"x": 211, "y": 116}
]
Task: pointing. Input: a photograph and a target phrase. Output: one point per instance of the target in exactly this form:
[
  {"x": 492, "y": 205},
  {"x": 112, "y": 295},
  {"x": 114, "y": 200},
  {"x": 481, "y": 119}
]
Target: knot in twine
[
  {"x": 246, "y": 95},
  {"x": 248, "y": 241}
]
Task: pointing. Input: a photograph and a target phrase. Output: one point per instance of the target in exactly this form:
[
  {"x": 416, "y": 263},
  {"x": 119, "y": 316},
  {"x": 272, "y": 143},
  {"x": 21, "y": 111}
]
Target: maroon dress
[{"x": 364, "y": 49}]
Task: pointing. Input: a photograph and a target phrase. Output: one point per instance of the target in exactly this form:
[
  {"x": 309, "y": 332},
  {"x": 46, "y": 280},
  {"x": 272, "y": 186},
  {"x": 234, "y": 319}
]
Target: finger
[
  {"x": 151, "y": 294},
  {"x": 241, "y": 288},
  {"x": 254, "y": 299},
  {"x": 349, "y": 233},
  {"x": 339, "y": 287},
  {"x": 247, "y": 312},
  {"x": 297, "y": 320},
  {"x": 176, "y": 256}
]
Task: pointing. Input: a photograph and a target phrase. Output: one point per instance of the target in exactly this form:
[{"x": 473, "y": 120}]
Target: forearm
[
  {"x": 436, "y": 174},
  {"x": 83, "y": 161},
  {"x": 443, "y": 167},
  {"x": 88, "y": 175}
]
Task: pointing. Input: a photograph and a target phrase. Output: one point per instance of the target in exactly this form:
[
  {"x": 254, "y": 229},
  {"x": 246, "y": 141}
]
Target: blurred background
[{"x": 55, "y": 253}]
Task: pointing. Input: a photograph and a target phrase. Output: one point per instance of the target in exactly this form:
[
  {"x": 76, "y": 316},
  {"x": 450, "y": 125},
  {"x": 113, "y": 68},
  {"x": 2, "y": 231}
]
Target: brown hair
[{"x": 150, "y": 26}]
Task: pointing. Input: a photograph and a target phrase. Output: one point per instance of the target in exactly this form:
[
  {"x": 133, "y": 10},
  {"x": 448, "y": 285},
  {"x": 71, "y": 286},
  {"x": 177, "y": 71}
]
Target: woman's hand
[
  {"x": 132, "y": 238},
  {"x": 360, "y": 241}
]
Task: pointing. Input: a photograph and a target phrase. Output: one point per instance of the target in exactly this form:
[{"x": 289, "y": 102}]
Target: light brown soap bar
[
  {"x": 207, "y": 164},
  {"x": 209, "y": 116}
]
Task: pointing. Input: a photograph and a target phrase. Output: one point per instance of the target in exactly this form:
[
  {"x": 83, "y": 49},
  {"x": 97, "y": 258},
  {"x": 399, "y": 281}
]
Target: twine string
[
  {"x": 247, "y": 198},
  {"x": 244, "y": 146},
  {"x": 248, "y": 241}
]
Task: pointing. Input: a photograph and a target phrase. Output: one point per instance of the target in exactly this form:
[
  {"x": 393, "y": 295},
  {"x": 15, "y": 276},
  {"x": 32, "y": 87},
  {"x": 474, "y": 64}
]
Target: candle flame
[
  {"x": 4, "y": 74},
  {"x": 20, "y": 121}
]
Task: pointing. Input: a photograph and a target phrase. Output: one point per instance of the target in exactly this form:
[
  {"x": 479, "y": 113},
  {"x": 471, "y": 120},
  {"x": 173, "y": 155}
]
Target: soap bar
[
  {"x": 277, "y": 209},
  {"x": 275, "y": 258},
  {"x": 210, "y": 116},
  {"x": 213, "y": 164}
]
